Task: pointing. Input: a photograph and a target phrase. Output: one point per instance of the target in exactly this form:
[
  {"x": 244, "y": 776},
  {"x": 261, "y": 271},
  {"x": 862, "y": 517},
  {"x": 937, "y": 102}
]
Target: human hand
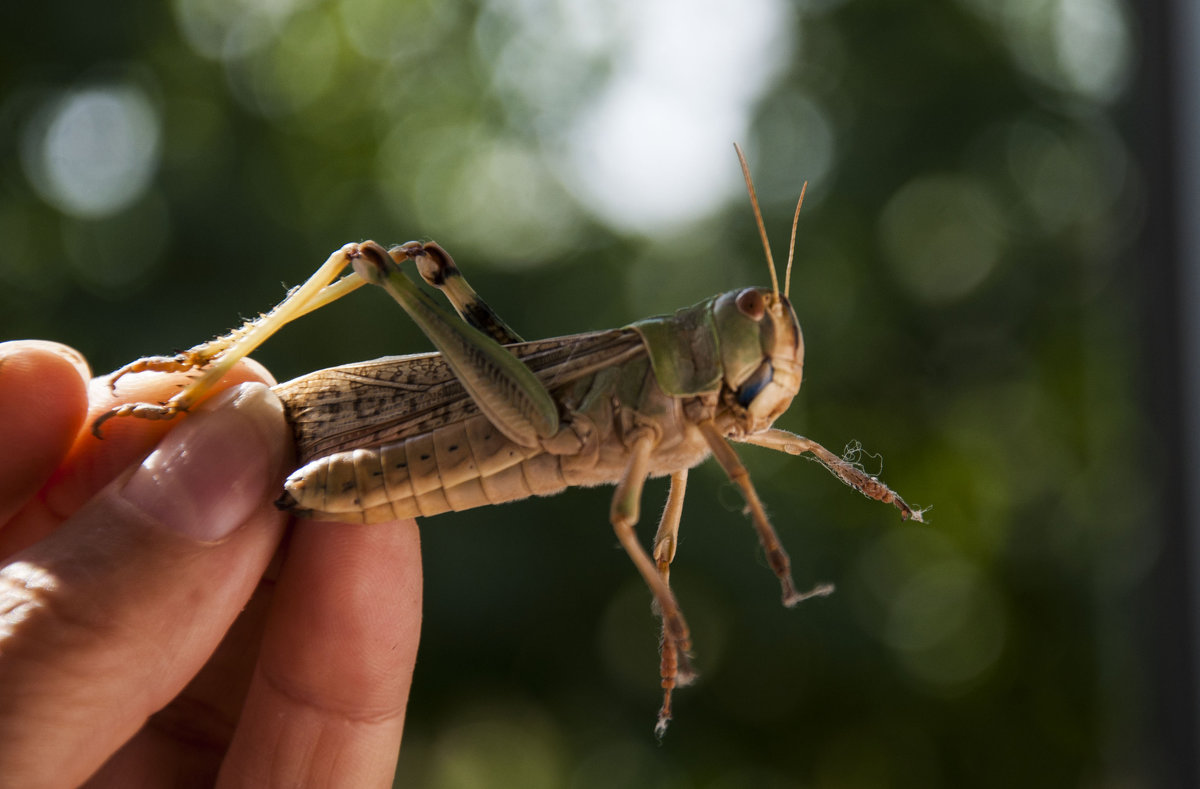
[{"x": 150, "y": 631}]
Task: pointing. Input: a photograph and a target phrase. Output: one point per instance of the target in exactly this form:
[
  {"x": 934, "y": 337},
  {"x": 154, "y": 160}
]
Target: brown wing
[{"x": 372, "y": 403}]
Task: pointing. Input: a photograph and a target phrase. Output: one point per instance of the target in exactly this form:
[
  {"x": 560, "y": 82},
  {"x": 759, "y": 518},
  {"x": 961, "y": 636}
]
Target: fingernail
[{"x": 207, "y": 475}]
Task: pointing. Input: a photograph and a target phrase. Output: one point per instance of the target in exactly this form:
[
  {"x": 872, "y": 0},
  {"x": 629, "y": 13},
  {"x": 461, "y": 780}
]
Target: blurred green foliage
[{"x": 165, "y": 167}]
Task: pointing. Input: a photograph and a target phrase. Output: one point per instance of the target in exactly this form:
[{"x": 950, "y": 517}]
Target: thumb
[{"x": 106, "y": 620}]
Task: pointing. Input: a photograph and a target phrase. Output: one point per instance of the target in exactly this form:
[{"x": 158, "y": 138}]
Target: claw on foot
[
  {"x": 138, "y": 410},
  {"x": 179, "y": 363},
  {"x": 664, "y": 717},
  {"x": 820, "y": 590}
]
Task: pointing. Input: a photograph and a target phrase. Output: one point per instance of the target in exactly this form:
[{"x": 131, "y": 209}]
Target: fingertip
[
  {"x": 44, "y": 348},
  {"x": 41, "y": 381},
  {"x": 43, "y": 403}
]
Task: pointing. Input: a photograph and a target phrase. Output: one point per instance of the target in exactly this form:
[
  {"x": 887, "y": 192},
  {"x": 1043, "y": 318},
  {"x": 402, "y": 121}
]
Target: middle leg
[
  {"x": 666, "y": 541},
  {"x": 624, "y": 516}
]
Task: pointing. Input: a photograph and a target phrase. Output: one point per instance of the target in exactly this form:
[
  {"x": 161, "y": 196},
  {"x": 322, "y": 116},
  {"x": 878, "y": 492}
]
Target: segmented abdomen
[
  {"x": 469, "y": 463},
  {"x": 456, "y": 467}
]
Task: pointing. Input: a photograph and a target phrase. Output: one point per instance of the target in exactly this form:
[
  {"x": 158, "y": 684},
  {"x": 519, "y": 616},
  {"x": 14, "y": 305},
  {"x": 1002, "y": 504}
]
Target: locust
[{"x": 490, "y": 418}]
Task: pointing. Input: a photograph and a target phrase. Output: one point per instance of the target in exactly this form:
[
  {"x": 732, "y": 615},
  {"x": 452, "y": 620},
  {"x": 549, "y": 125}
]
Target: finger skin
[
  {"x": 183, "y": 744},
  {"x": 90, "y": 463},
  {"x": 43, "y": 402},
  {"x": 93, "y": 461},
  {"x": 109, "y": 617},
  {"x": 89, "y": 663},
  {"x": 326, "y": 705}
]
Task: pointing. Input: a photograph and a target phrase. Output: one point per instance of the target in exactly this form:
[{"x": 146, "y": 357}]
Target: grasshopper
[{"x": 490, "y": 418}]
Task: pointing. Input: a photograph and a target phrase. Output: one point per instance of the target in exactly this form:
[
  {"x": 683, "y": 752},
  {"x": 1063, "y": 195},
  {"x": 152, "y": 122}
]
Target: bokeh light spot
[
  {"x": 509, "y": 740},
  {"x": 800, "y": 131},
  {"x": 92, "y": 152},
  {"x": 381, "y": 30},
  {"x": 946, "y": 624},
  {"x": 1066, "y": 180},
  {"x": 1093, "y": 47},
  {"x": 939, "y": 611},
  {"x": 294, "y": 70},
  {"x": 229, "y": 29},
  {"x": 671, "y": 83},
  {"x": 942, "y": 235},
  {"x": 495, "y": 198},
  {"x": 1081, "y": 47}
]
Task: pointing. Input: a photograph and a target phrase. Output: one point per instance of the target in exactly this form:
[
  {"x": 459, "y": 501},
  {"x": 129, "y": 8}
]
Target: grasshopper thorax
[
  {"x": 761, "y": 355},
  {"x": 743, "y": 346}
]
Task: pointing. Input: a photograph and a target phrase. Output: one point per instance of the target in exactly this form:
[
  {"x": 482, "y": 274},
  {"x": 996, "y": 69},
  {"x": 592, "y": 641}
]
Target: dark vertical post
[{"x": 1163, "y": 125}]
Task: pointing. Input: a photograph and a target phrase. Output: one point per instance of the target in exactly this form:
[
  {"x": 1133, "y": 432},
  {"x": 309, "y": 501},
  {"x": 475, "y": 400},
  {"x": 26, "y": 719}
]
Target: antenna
[
  {"x": 787, "y": 276},
  {"x": 762, "y": 230}
]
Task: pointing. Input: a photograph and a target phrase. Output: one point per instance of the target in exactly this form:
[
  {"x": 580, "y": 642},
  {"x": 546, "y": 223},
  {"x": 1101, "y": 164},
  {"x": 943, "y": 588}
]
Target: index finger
[{"x": 43, "y": 402}]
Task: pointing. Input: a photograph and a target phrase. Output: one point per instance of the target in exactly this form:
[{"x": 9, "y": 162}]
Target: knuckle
[{"x": 43, "y": 618}]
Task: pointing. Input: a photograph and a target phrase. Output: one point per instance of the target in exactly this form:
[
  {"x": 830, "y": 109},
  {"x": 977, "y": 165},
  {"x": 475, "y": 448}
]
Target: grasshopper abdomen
[{"x": 468, "y": 463}]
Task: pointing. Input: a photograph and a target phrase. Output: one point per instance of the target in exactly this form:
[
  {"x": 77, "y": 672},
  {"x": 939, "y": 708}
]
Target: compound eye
[
  {"x": 754, "y": 384},
  {"x": 751, "y": 304}
]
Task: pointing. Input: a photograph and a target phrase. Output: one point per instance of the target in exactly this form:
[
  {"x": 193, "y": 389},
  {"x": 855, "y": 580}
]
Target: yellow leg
[{"x": 220, "y": 355}]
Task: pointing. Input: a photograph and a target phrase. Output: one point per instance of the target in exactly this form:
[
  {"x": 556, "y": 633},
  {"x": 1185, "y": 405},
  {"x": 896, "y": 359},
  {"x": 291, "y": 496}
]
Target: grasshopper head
[
  {"x": 762, "y": 350},
  {"x": 762, "y": 355}
]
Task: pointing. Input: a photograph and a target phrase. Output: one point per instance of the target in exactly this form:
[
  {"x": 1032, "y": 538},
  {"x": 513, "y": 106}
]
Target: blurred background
[{"x": 989, "y": 273}]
